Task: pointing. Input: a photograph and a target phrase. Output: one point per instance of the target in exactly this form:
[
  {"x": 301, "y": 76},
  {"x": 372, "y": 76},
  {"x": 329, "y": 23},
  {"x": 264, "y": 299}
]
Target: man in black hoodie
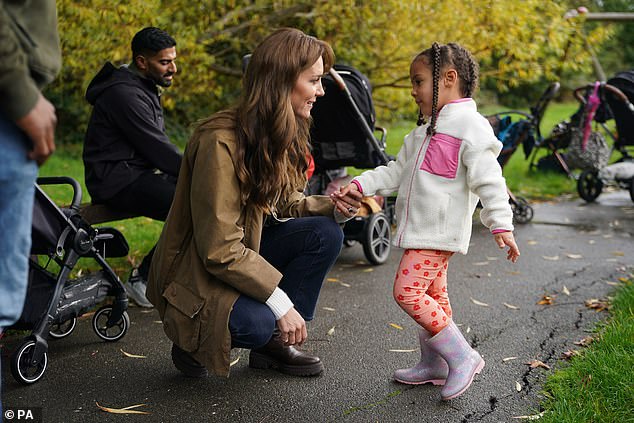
[{"x": 130, "y": 163}]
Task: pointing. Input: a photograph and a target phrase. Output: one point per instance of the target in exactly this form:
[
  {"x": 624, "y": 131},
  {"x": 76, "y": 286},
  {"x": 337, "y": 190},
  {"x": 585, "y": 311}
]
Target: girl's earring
[{"x": 421, "y": 119}]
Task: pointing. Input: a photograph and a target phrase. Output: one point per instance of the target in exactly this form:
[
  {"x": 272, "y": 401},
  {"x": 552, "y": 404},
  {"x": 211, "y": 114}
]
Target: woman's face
[{"x": 307, "y": 89}]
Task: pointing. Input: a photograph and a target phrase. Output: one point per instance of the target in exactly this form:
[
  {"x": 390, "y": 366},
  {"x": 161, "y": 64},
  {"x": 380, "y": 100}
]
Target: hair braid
[{"x": 431, "y": 130}]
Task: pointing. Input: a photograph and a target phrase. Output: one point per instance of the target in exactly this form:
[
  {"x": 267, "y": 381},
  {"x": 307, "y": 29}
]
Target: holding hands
[{"x": 347, "y": 200}]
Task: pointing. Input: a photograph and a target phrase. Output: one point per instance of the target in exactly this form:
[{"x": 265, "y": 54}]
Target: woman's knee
[
  {"x": 251, "y": 323},
  {"x": 330, "y": 234}
]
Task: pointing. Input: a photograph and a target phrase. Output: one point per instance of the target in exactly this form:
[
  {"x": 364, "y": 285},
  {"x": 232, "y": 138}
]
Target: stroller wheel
[
  {"x": 376, "y": 242},
  {"x": 589, "y": 185},
  {"x": 110, "y": 333},
  {"x": 62, "y": 330},
  {"x": 21, "y": 367},
  {"x": 522, "y": 211}
]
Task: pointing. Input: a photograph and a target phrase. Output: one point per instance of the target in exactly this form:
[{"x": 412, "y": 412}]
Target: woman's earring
[{"x": 421, "y": 119}]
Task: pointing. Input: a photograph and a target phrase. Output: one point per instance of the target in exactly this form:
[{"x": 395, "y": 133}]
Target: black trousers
[{"x": 151, "y": 196}]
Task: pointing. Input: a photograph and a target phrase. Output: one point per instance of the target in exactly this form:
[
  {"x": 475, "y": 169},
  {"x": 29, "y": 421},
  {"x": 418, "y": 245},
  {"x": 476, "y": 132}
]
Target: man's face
[{"x": 160, "y": 68}]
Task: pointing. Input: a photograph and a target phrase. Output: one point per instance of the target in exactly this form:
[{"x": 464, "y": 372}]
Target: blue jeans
[
  {"x": 17, "y": 176},
  {"x": 303, "y": 250}
]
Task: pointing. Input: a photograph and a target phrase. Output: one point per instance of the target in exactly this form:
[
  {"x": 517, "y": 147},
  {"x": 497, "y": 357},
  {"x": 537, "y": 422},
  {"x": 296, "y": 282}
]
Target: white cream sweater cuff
[{"x": 279, "y": 303}]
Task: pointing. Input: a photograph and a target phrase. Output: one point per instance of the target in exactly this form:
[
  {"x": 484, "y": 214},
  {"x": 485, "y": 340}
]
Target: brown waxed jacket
[{"x": 207, "y": 254}]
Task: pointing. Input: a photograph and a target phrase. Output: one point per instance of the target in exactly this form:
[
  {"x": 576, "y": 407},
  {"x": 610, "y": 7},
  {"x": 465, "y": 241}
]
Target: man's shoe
[
  {"x": 187, "y": 364},
  {"x": 135, "y": 288},
  {"x": 286, "y": 359}
]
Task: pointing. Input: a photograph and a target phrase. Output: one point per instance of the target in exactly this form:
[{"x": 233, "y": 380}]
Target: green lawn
[{"x": 598, "y": 385}]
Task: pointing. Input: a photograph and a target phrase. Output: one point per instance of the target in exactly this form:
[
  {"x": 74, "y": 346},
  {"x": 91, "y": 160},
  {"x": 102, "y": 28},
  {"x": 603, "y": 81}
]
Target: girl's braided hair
[{"x": 441, "y": 57}]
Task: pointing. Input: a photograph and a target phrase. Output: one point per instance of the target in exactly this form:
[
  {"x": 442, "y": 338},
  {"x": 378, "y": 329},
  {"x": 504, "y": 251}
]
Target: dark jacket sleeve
[
  {"x": 18, "y": 91},
  {"x": 132, "y": 111}
]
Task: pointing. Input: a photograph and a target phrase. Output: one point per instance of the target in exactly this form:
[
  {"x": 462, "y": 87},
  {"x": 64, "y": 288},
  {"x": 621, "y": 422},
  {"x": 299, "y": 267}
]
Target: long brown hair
[
  {"x": 441, "y": 57},
  {"x": 273, "y": 142}
]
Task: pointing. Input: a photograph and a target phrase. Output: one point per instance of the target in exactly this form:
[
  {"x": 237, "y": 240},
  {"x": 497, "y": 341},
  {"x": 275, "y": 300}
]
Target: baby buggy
[
  {"x": 514, "y": 128},
  {"x": 612, "y": 100},
  {"x": 60, "y": 237},
  {"x": 343, "y": 134}
]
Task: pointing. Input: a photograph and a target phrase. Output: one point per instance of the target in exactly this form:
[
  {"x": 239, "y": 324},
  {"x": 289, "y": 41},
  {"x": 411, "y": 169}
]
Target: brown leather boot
[{"x": 286, "y": 359}]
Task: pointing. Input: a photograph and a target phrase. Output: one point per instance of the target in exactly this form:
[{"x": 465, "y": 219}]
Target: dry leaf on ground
[
  {"x": 538, "y": 363},
  {"x": 480, "y": 303},
  {"x": 533, "y": 417},
  {"x": 234, "y": 362},
  {"x": 546, "y": 300},
  {"x": 509, "y": 359},
  {"x": 585, "y": 341},
  {"x": 565, "y": 291},
  {"x": 328, "y": 308},
  {"x": 371, "y": 269},
  {"x": 332, "y": 279},
  {"x": 125, "y": 410},
  {"x": 551, "y": 258},
  {"x": 127, "y": 354},
  {"x": 574, "y": 256},
  {"x": 395, "y": 326},
  {"x": 404, "y": 351},
  {"x": 518, "y": 387},
  {"x": 331, "y": 331},
  {"x": 567, "y": 355},
  {"x": 598, "y": 305},
  {"x": 511, "y": 306}
]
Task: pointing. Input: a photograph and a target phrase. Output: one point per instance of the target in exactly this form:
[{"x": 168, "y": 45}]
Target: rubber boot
[
  {"x": 464, "y": 362},
  {"x": 431, "y": 368}
]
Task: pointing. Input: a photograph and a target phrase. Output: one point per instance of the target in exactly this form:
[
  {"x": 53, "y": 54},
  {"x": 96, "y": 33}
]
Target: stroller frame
[{"x": 54, "y": 302}]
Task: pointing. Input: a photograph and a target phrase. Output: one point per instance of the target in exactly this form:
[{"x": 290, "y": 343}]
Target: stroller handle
[
  {"x": 64, "y": 180},
  {"x": 611, "y": 88}
]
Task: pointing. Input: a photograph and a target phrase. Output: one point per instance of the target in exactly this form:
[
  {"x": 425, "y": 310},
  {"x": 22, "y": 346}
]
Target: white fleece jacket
[{"x": 440, "y": 180}]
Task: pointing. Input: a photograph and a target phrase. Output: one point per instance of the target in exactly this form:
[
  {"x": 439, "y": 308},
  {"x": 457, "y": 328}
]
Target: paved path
[{"x": 569, "y": 247}]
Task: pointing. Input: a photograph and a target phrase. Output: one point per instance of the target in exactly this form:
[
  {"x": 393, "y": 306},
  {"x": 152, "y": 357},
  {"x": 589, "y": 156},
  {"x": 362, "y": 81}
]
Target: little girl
[{"x": 445, "y": 165}]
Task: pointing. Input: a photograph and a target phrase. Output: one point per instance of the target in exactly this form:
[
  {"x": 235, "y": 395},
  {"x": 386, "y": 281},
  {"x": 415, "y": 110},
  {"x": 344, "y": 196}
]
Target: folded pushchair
[
  {"x": 60, "y": 237},
  {"x": 614, "y": 102},
  {"x": 514, "y": 128},
  {"x": 343, "y": 134}
]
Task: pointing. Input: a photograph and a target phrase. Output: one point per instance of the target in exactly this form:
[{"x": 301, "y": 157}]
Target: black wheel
[
  {"x": 114, "y": 332},
  {"x": 349, "y": 242},
  {"x": 21, "y": 367},
  {"x": 376, "y": 241},
  {"x": 589, "y": 185},
  {"x": 62, "y": 330},
  {"x": 522, "y": 211}
]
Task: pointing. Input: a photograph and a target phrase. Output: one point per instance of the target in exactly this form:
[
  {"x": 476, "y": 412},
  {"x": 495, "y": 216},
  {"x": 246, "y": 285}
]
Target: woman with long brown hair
[{"x": 243, "y": 253}]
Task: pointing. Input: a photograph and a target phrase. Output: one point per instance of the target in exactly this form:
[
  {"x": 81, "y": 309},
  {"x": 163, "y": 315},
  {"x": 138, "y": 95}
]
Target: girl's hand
[
  {"x": 347, "y": 200},
  {"x": 504, "y": 239}
]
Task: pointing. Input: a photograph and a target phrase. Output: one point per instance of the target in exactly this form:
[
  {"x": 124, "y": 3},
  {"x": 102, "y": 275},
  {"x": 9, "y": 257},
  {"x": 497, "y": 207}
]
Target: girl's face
[
  {"x": 307, "y": 89},
  {"x": 423, "y": 86}
]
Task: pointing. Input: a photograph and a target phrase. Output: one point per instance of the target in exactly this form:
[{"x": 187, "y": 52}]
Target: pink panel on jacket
[{"x": 441, "y": 157}]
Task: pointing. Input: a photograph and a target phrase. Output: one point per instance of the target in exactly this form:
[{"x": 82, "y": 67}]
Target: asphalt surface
[{"x": 571, "y": 251}]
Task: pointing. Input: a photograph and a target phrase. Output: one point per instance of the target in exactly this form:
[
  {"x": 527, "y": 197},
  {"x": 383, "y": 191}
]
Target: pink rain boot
[
  {"x": 431, "y": 368},
  {"x": 464, "y": 362}
]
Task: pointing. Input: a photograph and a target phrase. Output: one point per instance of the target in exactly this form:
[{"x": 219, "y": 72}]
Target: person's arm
[
  {"x": 133, "y": 114},
  {"x": 22, "y": 101}
]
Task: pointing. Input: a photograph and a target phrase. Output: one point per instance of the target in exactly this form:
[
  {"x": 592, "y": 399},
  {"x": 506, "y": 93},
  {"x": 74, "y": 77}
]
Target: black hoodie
[{"x": 126, "y": 133}]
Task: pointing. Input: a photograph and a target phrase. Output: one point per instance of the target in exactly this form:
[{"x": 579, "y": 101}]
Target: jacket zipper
[{"x": 409, "y": 189}]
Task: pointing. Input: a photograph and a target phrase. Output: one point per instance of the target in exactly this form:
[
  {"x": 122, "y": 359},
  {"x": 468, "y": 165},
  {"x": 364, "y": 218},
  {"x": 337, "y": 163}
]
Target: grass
[{"x": 598, "y": 385}]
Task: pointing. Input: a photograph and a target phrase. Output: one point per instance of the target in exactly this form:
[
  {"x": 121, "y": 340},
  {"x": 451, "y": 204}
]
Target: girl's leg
[{"x": 420, "y": 288}]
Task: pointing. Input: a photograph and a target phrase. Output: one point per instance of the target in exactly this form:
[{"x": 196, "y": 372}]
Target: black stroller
[
  {"x": 60, "y": 237},
  {"x": 615, "y": 97},
  {"x": 343, "y": 134},
  {"x": 524, "y": 131}
]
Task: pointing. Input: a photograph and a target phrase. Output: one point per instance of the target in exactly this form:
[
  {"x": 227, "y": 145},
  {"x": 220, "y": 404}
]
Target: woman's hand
[
  {"x": 347, "y": 200},
  {"x": 292, "y": 328},
  {"x": 507, "y": 239}
]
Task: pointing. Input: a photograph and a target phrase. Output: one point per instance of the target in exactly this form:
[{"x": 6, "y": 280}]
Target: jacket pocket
[
  {"x": 182, "y": 318},
  {"x": 442, "y": 155}
]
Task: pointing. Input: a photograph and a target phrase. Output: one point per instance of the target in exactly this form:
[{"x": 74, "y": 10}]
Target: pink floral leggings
[{"x": 420, "y": 288}]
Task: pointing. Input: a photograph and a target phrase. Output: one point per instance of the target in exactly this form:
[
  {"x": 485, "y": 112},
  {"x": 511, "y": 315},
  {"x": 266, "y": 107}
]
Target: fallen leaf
[
  {"x": 567, "y": 355},
  {"x": 328, "y": 308},
  {"x": 598, "y": 305},
  {"x": 618, "y": 253},
  {"x": 511, "y": 306},
  {"x": 332, "y": 280},
  {"x": 404, "y": 351},
  {"x": 347, "y": 285},
  {"x": 551, "y": 258},
  {"x": 574, "y": 256},
  {"x": 622, "y": 279},
  {"x": 481, "y": 263},
  {"x": 331, "y": 331},
  {"x": 480, "y": 303},
  {"x": 395, "y": 326},
  {"x": 613, "y": 283},
  {"x": 518, "y": 387},
  {"x": 565, "y": 291},
  {"x": 234, "y": 362},
  {"x": 509, "y": 359},
  {"x": 370, "y": 269},
  {"x": 468, "y": 329},
  {"x": 533, "y": 417},
  {"x": 546, "y": 300},
  {"x": 492, "y": 258},
  {"x": 538, "y": 363},
  {"x": 127, "y": 354},
  {"x": 125, "y": 410},
  {"x": 531, "y": 242},
  {"x": 585, "y": 341}
]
